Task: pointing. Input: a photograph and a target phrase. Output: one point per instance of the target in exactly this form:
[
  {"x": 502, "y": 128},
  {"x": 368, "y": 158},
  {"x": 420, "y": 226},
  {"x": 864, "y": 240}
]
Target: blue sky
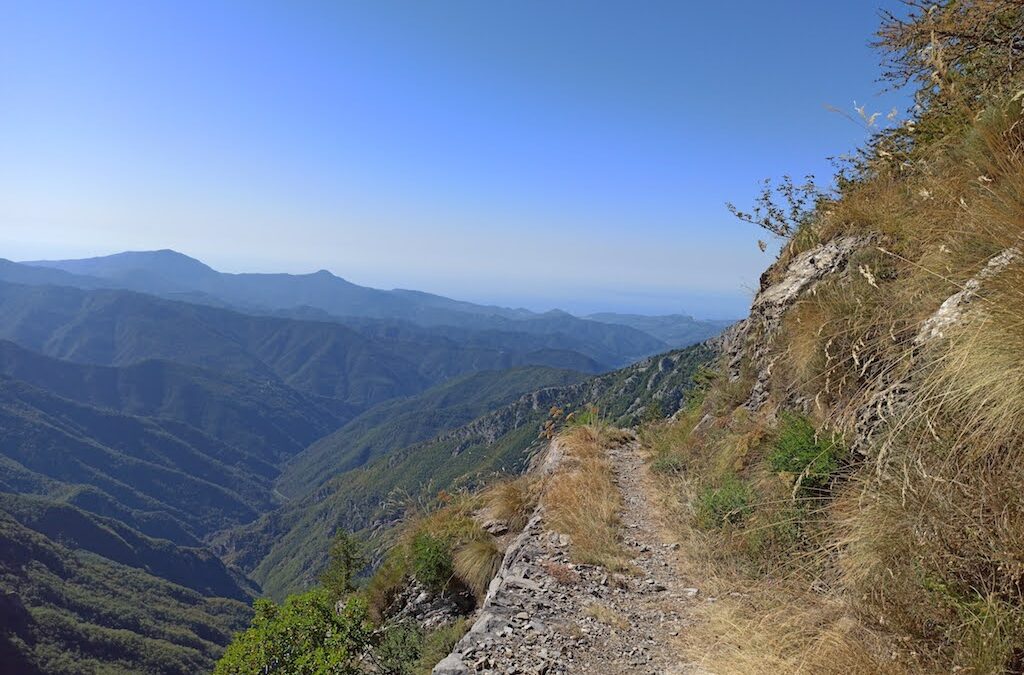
[{"x": 536, "y": 153}]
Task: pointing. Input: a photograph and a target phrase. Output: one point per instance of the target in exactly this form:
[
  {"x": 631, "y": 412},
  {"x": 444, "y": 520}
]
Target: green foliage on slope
[
  {"x": 347, "y": 370},
  {"x": 138, "y": 464},
  {"x": 398, "y": 423},
  {"x": 192, "y": 567},
  {"x": 262, "y": 417},
  {"x": 303, "y": 636},
  {"x": 67, "y": 612}
]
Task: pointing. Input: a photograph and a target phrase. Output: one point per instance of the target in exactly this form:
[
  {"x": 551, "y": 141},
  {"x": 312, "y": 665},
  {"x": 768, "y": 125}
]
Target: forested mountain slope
[
  {"x": 395, "y": 424},
  {"x": 284, "y": 549},
  {"x": 69, "y": 612},
  {"x": 265, "y": 418},
  {"x": 143, "y": 426},
  {"x": 675, "y": 330},
  {"x": 162, "y": 477},
  {"x": 348, "y": 370}
]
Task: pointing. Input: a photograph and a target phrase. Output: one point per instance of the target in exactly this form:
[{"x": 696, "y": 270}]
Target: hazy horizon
[
  {"x": 533, "y": 155},
  {"x": 612, "y": 300}
]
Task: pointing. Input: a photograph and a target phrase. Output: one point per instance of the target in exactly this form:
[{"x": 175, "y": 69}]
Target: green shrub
[
  {"x": 432, "y": 563},
  {"x": 304, "y": 635},
  {"x": 774, "y": 538},
  {"x": 800, "y": 450},
  {"x": 398, "y": 649},
  {"x": 586, "y": 417},
  {"x": 652, "y": 412},
  {"x": 728, "y": 504}
]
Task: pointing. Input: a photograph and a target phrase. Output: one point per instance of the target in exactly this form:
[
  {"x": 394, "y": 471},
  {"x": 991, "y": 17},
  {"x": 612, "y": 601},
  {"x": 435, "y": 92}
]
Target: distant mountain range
[
  {"x": 174, "y": 275},
  {"x": 175, "y": 441}
]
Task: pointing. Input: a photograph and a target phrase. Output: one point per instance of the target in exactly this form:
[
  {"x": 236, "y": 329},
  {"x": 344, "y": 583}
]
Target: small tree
[
  {"x": 347, "y": 561},
  {"x": 782, "y": 209},
  {"x": 957, "y": 52}
]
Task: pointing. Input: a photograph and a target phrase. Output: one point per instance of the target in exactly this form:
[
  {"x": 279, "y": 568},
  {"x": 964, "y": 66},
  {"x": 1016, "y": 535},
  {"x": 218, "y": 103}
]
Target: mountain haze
[{"x": 175, "y": 275}]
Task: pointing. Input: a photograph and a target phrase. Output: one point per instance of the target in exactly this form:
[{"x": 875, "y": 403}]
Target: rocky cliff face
[
  {"x": 748, "y": 344},
  {"x": 749, "y": 341}
]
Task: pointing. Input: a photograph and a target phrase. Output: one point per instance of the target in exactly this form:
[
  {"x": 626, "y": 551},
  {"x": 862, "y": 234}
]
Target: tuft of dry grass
[
  {"x": 476, "y": 562},
  {"x": 385, "y": 585},
  {"x": 582, "y": 500},
  {"x": 513, "y": 501},
  {"x": 780, "y": 630}
]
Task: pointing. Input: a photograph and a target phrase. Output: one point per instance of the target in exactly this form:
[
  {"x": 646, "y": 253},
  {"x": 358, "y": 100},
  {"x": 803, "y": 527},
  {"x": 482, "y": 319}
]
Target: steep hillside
[
  {"x": 161, "y": 477},
  {"x": 345, "y": 368},
  {"x": 285, "y": 549},
  {"x": 78, "y": 530},
  {"x": 67, "y": 612},
  {"x": 850, "y": 484},
  {"x": 263, "y": 418},
  {"x": 549, "y": 334},
  {"x": 395, "y": 424},
  {"x": 675, "y": 330}
]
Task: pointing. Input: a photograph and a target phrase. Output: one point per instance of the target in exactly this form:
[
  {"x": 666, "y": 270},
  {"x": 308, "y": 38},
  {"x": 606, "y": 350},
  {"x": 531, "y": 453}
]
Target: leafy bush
[
  {"x": 304, "y": 635},
  {"x": 728, "y": 504},
  {"x": 432, "y": 563},
  {"x": 799, "y": 449},
  {"x": 398, "y": 649}
]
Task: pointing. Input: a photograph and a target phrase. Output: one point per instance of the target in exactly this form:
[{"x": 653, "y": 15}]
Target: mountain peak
[{"x": 165, "y": 262}]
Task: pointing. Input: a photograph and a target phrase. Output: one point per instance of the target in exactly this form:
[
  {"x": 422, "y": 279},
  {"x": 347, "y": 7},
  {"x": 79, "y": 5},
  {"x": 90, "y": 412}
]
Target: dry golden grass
[
  {"x": 476, "y": 562},
  {"x": 916, "y": 554},
  {"x": 513, "y": 501},
  {"x": 779, "y": 630},
  {"x": 582, "y": 500},
  {"x": 562, "y": 574}
]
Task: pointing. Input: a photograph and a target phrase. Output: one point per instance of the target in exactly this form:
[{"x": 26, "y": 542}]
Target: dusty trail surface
[{"x": 548, "y": 615}]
